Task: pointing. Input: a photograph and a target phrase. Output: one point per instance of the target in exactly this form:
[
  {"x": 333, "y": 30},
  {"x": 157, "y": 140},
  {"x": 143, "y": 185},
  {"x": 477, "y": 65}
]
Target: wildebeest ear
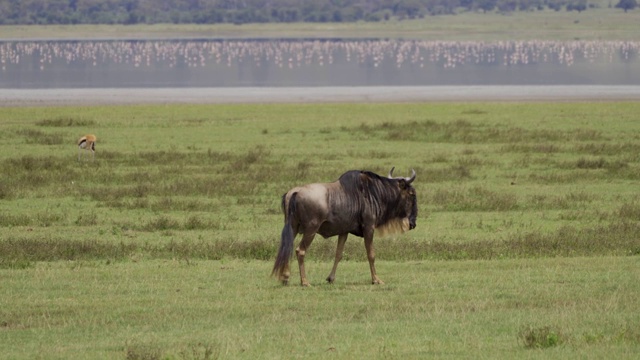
[{"x": 402, "y": 184}]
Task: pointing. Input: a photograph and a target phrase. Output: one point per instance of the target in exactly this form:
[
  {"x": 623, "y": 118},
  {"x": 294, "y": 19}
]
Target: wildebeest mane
[{"x": 380, "y": 194}]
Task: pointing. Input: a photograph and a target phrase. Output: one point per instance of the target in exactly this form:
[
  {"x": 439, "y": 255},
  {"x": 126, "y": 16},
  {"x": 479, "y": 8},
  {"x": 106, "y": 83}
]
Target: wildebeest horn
[
  {"x": 413, "y": 177},
  {"x": 409, "y": 180}
]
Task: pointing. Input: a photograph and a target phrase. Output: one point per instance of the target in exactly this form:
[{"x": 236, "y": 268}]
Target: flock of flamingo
[{"x": 298, "y": 53}]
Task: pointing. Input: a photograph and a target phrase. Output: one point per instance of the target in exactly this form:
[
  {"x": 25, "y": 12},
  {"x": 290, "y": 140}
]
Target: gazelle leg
[
  {"x": 300, "y": 252},
  {"x": 371, "y": 256},
  {"x": 342, "y": 239}
]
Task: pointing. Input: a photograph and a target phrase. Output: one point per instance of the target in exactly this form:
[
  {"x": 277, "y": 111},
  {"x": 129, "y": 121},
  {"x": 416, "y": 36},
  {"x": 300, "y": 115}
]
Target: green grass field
[{"x": 527, "y": 243}]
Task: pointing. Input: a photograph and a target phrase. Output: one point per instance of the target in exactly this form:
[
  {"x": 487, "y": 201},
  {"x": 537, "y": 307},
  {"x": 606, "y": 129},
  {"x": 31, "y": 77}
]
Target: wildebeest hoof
[
  {"x": 330, "y": 280},
  {"x": 377, "y": 282}
]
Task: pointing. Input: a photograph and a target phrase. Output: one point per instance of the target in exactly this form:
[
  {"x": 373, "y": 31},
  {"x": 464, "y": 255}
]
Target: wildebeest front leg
[
  {"x": 371, "y": 256},
  {"x": 300, "y": 252},
  {"x": 342, "y": 238}
]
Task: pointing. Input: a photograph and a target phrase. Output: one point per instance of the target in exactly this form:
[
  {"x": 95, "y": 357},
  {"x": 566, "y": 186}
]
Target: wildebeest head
[{"x": 409, "y": 202}]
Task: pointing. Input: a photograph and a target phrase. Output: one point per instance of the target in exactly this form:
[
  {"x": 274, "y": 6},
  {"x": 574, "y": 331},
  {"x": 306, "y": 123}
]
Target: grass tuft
[
  {"x": 199, "y": 351},
  {"x": 584, "y": 163},
  {"x": 65, "y": 122},
  {"x": 87, "y": 219},
  {"x": 630, "y": 211},
  {"x": 540, "y": 337},
  {"x": 143, "y": 351},
  {"x": 55, "y": 249},
  {"x": 41, "y": 138},
  {"x": 7, "y": 220},
  {"x": 477, "y": 198}
]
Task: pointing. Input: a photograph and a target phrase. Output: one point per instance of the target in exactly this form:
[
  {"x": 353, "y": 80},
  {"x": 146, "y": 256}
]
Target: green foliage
[
  {"x": 258, "y": 11},
  {"x": 627, "y": 5},
  {"x": 601, "y": 22},
  {"x": 540, "y": 337}
]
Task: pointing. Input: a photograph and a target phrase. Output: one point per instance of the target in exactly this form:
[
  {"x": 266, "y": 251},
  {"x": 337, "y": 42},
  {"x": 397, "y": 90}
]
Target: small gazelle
[{"x": 87, "y": 142}]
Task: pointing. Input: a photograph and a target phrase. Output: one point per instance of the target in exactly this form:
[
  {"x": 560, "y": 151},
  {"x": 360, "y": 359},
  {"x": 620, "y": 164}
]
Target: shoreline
[{"x": 356, "y": 94}]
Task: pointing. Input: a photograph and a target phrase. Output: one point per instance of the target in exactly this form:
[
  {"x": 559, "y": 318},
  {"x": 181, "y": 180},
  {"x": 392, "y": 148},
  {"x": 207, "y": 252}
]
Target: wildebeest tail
[{"x": 286, "y": 239}]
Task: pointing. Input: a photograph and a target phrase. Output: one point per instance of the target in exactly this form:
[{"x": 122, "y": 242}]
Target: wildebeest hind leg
[
  {"x": 300, "y": 252},
  {"x": 342, "y": 238}
]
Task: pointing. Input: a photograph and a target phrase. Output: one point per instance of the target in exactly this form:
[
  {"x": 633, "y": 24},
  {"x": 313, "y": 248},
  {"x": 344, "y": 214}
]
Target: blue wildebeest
[{"x": 359, "y": 203}]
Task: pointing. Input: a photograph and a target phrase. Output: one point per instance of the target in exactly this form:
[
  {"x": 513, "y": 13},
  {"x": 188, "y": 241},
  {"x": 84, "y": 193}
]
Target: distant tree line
[{"x": 261, "y": 11}]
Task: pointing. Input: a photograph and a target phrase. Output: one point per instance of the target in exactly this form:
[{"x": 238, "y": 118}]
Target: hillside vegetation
[
  {"x": 262, "y": 11},
  {"x": 604, "y": 24}
]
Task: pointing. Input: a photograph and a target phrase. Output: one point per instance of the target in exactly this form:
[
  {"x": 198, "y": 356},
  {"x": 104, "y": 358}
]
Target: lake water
[{"x": 310, "y": 63}]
